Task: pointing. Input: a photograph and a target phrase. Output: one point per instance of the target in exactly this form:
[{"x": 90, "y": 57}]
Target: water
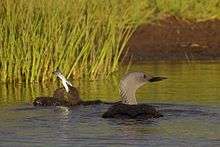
[{"x": 189, "y": 100}]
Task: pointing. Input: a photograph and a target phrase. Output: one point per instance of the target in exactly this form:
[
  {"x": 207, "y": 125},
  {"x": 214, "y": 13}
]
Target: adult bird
[{"x": 129, "y": 108}]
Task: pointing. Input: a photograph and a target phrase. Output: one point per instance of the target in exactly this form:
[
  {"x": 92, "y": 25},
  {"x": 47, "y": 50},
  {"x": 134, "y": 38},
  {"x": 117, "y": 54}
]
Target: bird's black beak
[{"x": 155, "y": 79}]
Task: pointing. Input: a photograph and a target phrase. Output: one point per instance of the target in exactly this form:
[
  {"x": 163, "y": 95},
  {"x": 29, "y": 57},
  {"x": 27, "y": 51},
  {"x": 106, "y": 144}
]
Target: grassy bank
[
  {"x": 84, "y": 38},
  {"x": 196, "y": 10}
]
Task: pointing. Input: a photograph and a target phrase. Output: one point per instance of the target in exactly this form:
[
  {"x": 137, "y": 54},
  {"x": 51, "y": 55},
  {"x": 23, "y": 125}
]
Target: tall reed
[{"x": 82, "y": 37}]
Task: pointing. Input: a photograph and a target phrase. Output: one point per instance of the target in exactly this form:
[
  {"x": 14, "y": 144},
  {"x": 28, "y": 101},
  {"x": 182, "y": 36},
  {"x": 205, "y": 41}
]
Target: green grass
[
  {"x": 197, "y": 10},
  {"x": 84, "y": 38},
  {"x": 81, "y": 37}
]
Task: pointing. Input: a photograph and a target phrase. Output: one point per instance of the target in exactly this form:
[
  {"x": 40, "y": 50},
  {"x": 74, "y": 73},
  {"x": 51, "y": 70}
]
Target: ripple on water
[
  {"x": 60, "y": 126},
  {"x": 192, "y": 84}
]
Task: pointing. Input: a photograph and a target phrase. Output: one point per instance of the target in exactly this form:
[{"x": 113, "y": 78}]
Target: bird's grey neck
[{"x": 127, "y": 94}]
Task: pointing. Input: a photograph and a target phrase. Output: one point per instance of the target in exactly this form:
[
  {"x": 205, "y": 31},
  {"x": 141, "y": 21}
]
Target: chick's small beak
[
  {"x": 155, "y": 79},
  {"x": 55, "y": 72}
]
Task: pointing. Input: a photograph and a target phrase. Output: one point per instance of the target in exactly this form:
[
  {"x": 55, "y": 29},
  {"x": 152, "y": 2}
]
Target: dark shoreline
[{"x": 172, "y": 38}]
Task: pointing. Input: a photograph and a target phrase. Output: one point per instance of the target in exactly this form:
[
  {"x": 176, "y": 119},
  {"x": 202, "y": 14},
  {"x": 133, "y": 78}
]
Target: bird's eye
[{"x": 145, "y": 76}]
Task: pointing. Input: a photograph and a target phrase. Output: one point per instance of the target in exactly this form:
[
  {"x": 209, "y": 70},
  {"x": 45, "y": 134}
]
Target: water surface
[{"x": 189, "y": 100}]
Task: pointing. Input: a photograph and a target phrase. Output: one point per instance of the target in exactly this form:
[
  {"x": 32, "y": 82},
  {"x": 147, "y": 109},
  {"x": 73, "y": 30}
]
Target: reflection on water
[
  {"x": 193, "y": 83},
  {"x": 188, "y": 99}
]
